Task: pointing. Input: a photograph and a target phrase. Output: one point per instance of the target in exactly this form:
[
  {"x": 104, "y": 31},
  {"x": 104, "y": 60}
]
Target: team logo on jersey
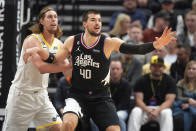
[
  {"x": 86, "y": 60},
  {"x": 78, "y": 42}
]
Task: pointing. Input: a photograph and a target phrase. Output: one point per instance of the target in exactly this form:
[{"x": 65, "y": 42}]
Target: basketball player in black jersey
[{"x": 90, "y": 51}]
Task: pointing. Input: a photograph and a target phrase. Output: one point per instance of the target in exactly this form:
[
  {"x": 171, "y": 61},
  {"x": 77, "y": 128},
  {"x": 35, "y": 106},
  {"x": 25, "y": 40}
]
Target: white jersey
[{"x": 28, "y": 77}]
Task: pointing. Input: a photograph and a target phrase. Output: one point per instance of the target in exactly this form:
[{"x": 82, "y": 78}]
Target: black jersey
[{"x": 90, "y": 66}]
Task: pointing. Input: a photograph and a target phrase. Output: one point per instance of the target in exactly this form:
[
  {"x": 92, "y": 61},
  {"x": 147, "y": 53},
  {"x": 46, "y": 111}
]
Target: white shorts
[
  {"x": 23, "y": 108},
  {"x": 72, "y": 106}
]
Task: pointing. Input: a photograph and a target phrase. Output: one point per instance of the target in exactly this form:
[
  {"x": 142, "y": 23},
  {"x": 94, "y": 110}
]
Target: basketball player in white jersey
[{"x": 28, "y": 97}]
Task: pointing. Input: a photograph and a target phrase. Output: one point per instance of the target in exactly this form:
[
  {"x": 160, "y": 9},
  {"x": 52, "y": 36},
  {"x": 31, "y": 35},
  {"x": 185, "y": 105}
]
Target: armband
[
  {"x": 136, "y": 49},
  {"x": 50, "y": 58}
]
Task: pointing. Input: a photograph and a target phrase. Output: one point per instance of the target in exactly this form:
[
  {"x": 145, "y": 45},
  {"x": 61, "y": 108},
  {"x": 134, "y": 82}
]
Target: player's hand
[
  {"x": 68, "y": 68},
  {"x": 29, "y": 52},
  {"x": 165, "y": 38}
]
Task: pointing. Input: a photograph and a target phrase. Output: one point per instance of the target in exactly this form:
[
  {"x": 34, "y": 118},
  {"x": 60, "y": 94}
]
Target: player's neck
[
  {"x": 89, "y": 39},
  {"x": 48, "y": 37}
]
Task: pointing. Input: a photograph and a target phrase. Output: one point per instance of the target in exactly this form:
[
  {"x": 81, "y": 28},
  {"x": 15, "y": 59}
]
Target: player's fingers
[
  {"x": 169, "y": 31},
  {"x": 156, "y": 38},
  {"x": 173, "y": 33},
  {"x": 165, "y": 31}
]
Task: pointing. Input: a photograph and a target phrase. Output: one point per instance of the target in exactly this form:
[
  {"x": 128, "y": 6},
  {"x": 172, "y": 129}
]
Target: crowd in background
[{"x": 139, "y": 22}]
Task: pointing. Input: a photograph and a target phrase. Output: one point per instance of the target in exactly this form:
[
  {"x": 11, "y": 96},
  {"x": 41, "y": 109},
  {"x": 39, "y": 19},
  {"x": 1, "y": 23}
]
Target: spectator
[
  {"x": 132, "y": 68},
  {"x": 176, "y": 19},
  {"x": 135, "y": 36},
  {"x": 121, "y": 26},
  {"x": 120, "y": 91},
  {"x": 178, "y": 68},
  {"x": 154, "y": 93},
  {"x": 186, "y": 95},
  {"x": 160, "y": 52},
  {"x": 120, "y": 30},
  {"x": 130, "y": 8},
  {"x": 143, "y": 5},
  {"x": 171, "y": 55},
  {"x": 186, "y": 37},
  {"x": 161, "y": 20}
]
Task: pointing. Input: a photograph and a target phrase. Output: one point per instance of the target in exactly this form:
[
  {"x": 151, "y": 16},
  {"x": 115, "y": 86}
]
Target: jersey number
[{"x": 86, "y": 74}]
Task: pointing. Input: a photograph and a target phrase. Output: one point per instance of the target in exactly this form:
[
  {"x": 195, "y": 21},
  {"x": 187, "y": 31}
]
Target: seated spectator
[
  {"x": 154, "y": 94},
  {"x": 161, "y": 20},
  {"x": 130, "y": 8},
  {"x": 186, "y": 96},
  {"x": 160, "y": 52},
  {"x": 176, "y": 19},
  {"x": 171, "y": 55},
  {"x": 143, "y": 5},
  {"x": 120, "y": 30},
  {"x": 186, "y": 37},
  {"x": 132, "y": 68},
  {"x": 135, "y": 36},
  {"x": 120, "y": 91},
  {"x": 121, "y": 26},
  {"x": 177, "y": 69}
]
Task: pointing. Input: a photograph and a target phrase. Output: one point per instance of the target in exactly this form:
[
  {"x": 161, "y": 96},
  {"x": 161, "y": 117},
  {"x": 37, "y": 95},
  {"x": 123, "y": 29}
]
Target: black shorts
[{"x": 101, "y": 110}]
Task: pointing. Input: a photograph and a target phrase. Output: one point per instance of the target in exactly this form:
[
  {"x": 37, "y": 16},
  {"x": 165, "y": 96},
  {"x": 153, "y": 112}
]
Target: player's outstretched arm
[{"x": 115, "y": 44}]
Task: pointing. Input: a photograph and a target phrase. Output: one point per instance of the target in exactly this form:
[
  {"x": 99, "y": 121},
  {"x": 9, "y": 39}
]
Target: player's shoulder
[
  {"x": 31, "y": 41},
  {"x": 32, "y": 38},
  {"x": 70, "y": 39}
]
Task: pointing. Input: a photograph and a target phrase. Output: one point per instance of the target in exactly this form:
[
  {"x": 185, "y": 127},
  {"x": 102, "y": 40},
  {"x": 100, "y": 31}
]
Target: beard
[
  {"x": 156, "y": 74},
  {"x": 93, "y": 33}
]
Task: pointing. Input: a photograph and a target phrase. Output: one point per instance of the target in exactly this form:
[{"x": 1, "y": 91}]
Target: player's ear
[{"x": 84, "y": 24}]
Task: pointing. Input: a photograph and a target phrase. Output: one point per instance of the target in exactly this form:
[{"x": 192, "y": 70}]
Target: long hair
[
  {"x": 117, "y": 27},
  {"x": 38, "y": 28},
  {"x": 186, "y": 80}
]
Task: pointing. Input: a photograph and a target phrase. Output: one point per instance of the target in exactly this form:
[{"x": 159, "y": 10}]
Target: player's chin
[
  {"x": 95, "y": 33},
  {"x": 52, "y": 31}
]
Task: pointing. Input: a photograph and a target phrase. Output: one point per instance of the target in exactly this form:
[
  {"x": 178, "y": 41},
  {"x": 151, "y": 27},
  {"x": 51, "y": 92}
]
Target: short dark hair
[{"x": 87, "y": 12}]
